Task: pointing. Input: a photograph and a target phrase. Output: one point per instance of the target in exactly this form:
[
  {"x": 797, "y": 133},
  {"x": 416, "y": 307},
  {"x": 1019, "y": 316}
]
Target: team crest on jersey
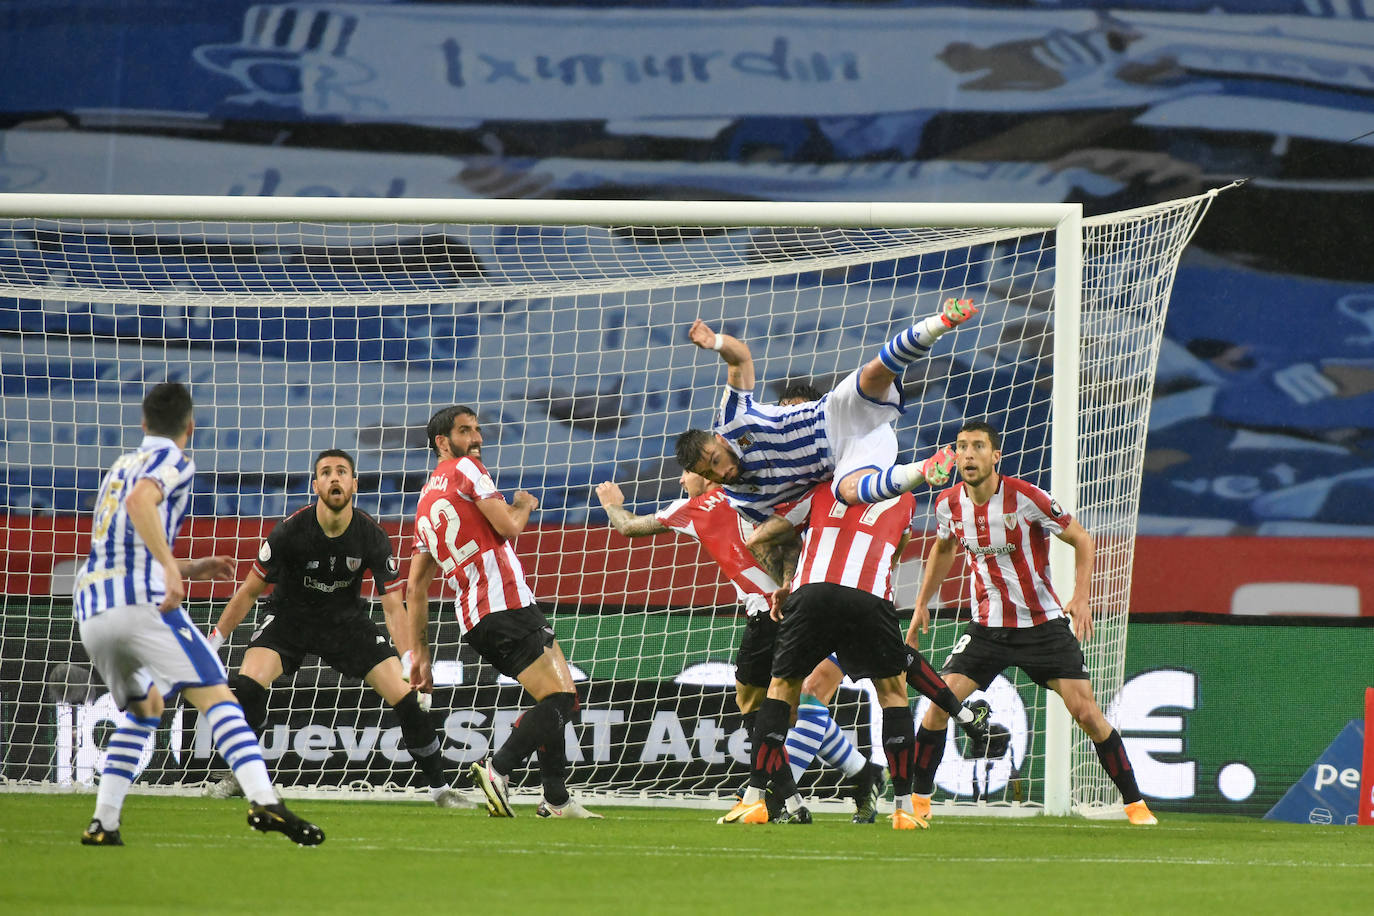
[
  {"x": 745, "y": 440},
  {"x": 1009, "y": 520},
  {"x": 353, "y": 563}
]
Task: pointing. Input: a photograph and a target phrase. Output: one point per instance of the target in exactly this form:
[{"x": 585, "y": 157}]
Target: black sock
[
  {"x": 541, "y": 724},
  {"x": 930, "y": 749},
  {"x": 770, "y": 749},
  {"x": 553, "y": 756},
  {"x": 252, "y": 696},
  {"x": 417, "y": 731},
  {"x": 899, "y": 743},
  {"x": 923, "y": 678},
  {"x": 1112, "y": 753}
]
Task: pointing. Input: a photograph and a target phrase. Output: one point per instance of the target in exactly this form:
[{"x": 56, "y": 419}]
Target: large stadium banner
[{"x": 1203, "y": 725}]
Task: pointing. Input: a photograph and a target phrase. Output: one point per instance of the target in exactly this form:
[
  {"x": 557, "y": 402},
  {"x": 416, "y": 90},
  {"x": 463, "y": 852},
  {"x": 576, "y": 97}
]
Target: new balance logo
[{"x": 381, "y": 639}]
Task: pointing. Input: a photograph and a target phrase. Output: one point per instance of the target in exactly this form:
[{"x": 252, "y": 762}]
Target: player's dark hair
[
  {"x": 167, "y": 409},
  {"x": 441, "y": 424},
  {"x": 334, "y": 453},
  {"x": 691, "y": 448},
  {"x": 800, "y": 391},
  {"x": 980, "y": 426}
]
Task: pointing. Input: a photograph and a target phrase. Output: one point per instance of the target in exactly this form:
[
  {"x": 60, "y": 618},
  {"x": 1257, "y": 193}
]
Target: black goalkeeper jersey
[{"x": 318, "y": 577}]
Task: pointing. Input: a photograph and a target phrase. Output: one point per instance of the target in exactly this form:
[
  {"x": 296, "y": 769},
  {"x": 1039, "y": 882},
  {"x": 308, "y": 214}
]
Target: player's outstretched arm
[
  {"x": 245, "y": 596},
  {"x": 735, "y": 352},
  {"x": 622, "y": 519},
  {"x": 422, "y": 570},
  {"x": 1079, "y": 607},
  {"x": 938, "y": 561},
  {"x": 141, "y": 507}
]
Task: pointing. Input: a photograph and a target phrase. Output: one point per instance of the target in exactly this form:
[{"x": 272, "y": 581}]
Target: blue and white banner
[{"x": 1329, "y": 791}]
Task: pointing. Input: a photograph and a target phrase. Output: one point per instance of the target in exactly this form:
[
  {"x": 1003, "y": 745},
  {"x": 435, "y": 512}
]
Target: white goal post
[{"x": 309, "y": 323}]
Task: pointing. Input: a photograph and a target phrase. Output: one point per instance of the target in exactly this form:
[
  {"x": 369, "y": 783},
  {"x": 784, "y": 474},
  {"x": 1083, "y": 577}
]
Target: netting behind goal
[{"x": 570, "y": 341}]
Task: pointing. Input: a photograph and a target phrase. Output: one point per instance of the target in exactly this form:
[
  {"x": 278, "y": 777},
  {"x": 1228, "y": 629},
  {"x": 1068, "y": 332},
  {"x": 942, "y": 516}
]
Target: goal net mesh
[{"x": 570, "y": 340}]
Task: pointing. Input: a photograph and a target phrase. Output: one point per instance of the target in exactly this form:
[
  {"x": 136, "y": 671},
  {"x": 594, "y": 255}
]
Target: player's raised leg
[{"x": 912, "y": 344}]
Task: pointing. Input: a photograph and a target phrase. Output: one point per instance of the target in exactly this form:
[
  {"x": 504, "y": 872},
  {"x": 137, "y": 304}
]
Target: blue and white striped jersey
[
  {"x": 120, "y": 569},
  {"x": 783, "y": 451}
]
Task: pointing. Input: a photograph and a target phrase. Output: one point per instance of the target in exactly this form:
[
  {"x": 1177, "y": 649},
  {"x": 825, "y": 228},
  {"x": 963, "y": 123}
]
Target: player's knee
[
  {"x": 565, "y": 703},
  {"x": 935, "y": 718},
  {"x": 252, "y": 696}
]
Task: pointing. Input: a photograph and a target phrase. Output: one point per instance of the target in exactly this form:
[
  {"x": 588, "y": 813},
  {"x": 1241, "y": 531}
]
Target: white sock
[
  {"x": 122, "y": 755},
  {"x": 240, "y": 749}
]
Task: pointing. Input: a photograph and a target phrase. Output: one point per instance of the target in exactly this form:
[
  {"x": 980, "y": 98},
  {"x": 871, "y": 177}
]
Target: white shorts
[
  {"x": 135, "y": 647},
  {"x": 859, "y": 428}
]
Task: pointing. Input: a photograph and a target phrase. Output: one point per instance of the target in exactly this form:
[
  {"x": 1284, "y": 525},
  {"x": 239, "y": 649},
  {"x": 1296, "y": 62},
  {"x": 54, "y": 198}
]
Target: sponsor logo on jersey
[
  {"x": 1000, "y": 550},
  {"x": 319, "y": 586}
]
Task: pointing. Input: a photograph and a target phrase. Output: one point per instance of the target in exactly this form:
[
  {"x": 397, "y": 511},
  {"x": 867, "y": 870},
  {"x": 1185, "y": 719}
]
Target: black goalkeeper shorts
[{"x": 351, "y": 645}]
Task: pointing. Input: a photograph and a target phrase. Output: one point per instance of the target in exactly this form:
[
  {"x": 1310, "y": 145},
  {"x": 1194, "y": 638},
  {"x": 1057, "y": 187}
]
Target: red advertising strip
[
  {"x": 578, "y": 564},
  {"x": 1254, "y": 575},
  {"x": 1366, "y": 814}
]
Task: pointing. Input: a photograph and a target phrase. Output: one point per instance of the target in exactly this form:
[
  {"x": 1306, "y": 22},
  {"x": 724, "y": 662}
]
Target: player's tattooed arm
[{"x": 622, "y": 519}]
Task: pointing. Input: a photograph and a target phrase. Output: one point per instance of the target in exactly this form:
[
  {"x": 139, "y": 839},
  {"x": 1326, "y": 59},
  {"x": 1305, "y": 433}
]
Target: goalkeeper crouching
[{"x": 317, "y": 558}]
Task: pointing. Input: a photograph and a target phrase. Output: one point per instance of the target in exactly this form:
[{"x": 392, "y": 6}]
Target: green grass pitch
[{"x": 192, "y": 855}]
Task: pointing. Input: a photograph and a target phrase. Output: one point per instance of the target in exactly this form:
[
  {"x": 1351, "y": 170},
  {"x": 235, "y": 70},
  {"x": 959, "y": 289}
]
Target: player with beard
[
  {"x": 317, "y": 559},
  {"x": 463, "y": 529},
  {"x": 1004, "y": 526}
]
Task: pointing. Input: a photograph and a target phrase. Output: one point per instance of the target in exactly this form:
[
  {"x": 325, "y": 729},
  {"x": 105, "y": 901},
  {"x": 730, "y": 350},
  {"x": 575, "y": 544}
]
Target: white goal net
[{"x": 312, "y": 324}]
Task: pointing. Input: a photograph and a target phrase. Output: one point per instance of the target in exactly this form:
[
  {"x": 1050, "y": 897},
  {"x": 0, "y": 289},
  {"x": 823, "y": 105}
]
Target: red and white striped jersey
[
  {"x": 1007, "y": 546},
  {"x": 711, "y": 520},
  {"x": 849, "y": 545},
  {"x": 480, "y": 564}
]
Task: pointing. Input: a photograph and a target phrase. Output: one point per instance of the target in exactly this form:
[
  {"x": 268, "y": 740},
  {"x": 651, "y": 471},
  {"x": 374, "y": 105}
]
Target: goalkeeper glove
[{"x": 215, "y": 639}]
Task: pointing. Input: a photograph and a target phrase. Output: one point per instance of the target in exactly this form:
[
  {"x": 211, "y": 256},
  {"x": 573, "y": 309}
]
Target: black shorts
[
  {"x": 351, "y": 645},
  {"x": 1045, "y": 652},
  {"x": 754, "y": 661},
  {"x": 510, "y": 641},
  {"x": 859, "y": 627}
]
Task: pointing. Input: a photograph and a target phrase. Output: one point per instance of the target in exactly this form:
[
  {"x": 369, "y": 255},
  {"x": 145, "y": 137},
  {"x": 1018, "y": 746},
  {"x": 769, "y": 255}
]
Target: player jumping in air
[
  {"x": 463, "y": 528},
  {"x": 706, "y": 516},
  {"x": 1004, "y": 526},
  {"x": 317, "y": 558},
  {"x": 128, "y": 610},
  {"x": 767, "y": 454}
]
